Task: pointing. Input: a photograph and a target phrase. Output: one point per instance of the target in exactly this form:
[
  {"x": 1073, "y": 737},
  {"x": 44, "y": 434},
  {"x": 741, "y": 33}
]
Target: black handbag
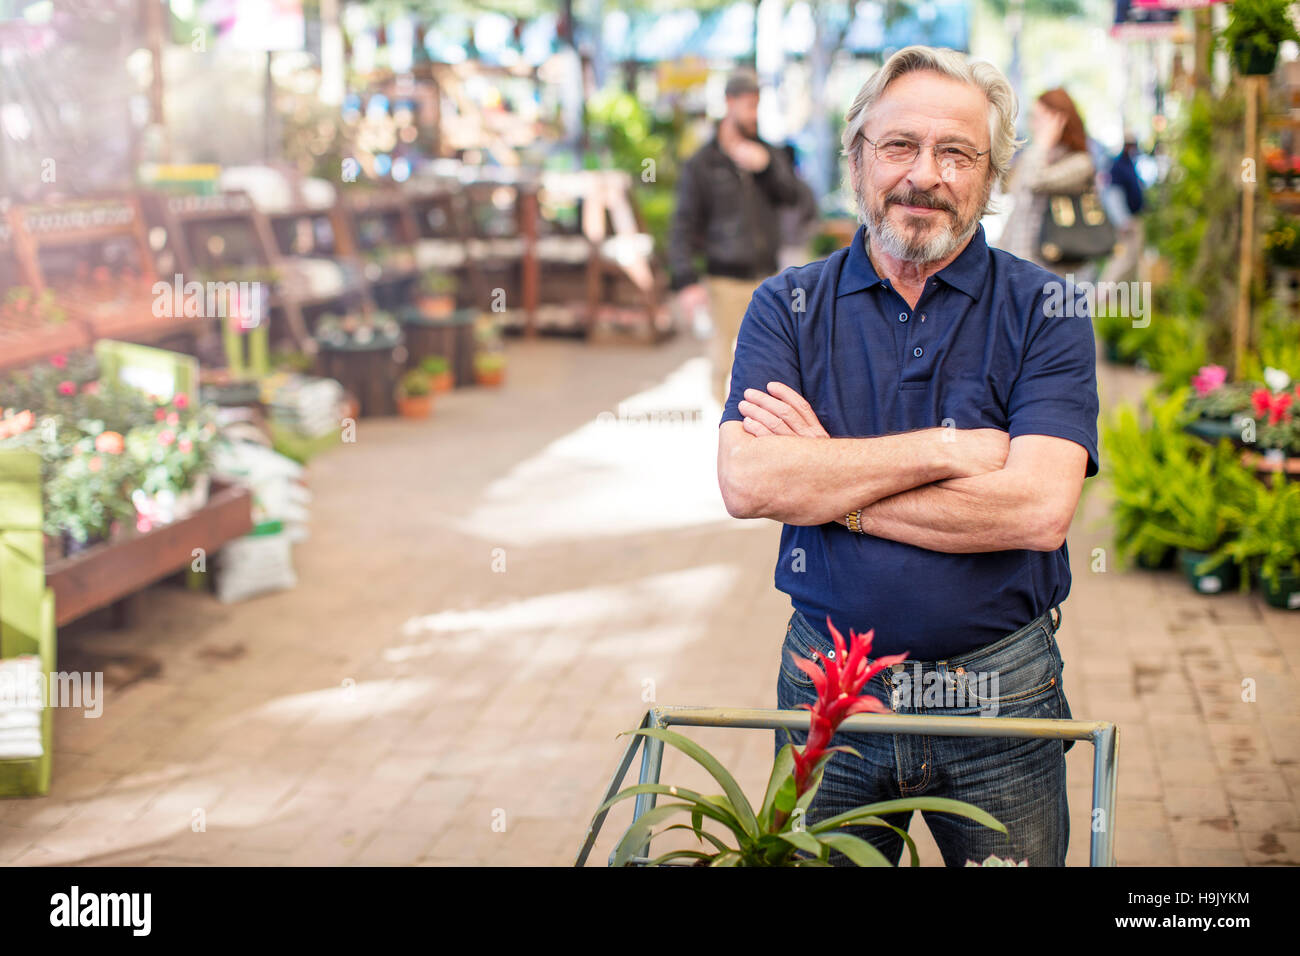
[{"x": 1075, "y": 228}]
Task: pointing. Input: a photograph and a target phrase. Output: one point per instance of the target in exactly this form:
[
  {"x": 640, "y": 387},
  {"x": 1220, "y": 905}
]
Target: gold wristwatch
[{"x": 854, "y": 520}]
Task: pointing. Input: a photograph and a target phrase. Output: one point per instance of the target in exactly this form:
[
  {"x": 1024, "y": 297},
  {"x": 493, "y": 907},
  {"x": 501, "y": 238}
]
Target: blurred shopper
[
  {"x": 1055, "y": 161},
  {"x": 921, "y": 419},
  {"x": 727, "y": 198},
  {"x": 798, "y": 220},
  {"x": 1125, "y": 210}
]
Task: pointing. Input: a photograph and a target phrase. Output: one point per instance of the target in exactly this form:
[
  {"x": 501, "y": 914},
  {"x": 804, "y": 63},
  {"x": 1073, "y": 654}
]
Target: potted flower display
[
  {"x": 1203, "y": 491},
  {"x": 489, "y": 368},
  {"x": 1220, "y": 407},
  {"x": 436, "y": 297},
  {"x": 439, "y": 371},
  {"x": 1282, "y": 243},
  {"x": 1255, "y": 30},
  {"x": 1279, "y": 169},
  {"x": 776, "y": 833},
  {"x": 1269, "y": 541},
  {"x": 172, "y": 456},
  {"x": 415, "y": 395},
  {"x": 1277, "y": 422}
]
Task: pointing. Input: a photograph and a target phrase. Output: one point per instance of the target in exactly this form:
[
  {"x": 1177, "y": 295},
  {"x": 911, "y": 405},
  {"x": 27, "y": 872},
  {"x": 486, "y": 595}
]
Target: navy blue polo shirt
[{"x": 991, "y": 344}]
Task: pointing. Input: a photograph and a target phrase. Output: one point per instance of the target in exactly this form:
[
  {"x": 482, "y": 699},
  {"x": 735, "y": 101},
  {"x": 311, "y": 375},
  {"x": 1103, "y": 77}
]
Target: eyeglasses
[{"x": 903, "y": 152}]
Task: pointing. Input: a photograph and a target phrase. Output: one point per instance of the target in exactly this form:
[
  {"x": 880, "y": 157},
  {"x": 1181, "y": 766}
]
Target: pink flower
[
  {"x": 59, "y": 361},
  {"x": 109, "y": 442},
  {"x": 67, "y": 388},
  {"x": 1209, "y": 378},
  {"x": 90, "y": 388},
  {"x": 166, "y": 437},
  {"x": 185, "y": 445},
  {"x": 142, "y": 524},
  {"x": 181, "y": 401},
  {"x": 94, "y": 464},
  {"x": 173, "y": 418},
  {"x": 159, "y": 414}
]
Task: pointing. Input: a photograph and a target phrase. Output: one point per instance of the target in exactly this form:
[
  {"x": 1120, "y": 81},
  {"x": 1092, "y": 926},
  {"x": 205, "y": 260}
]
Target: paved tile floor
[{"x": 490, "y": 597}]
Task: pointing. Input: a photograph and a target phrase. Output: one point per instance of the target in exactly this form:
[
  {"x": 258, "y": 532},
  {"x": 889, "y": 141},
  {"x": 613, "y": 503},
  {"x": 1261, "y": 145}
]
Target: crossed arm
[{"x": 944, "y": 489}]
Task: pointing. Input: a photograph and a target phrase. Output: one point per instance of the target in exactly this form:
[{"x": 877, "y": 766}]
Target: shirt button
[
  {"x": 918, "y": 351},
  {"x": 902, "y": 317}
]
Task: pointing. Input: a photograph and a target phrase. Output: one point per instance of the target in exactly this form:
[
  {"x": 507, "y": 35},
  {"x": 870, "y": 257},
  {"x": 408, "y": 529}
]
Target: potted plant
[
  {"x": 1203, "y": 491},
  {"x": 436, "y": 297},
  {"x": 775, "y": 834},
  {"x": 439, "y": 371},
  {"x": 1220, "y": 407},
  {"x": 1282, "y": 243},
  {"x": 415, "y": 395},
  {"x": 1279, "y": 169},
  {"x": 1255, "y": 30},
  {"x": 171, "y": 457},
  {"x": 1269, "y": 541},
  {"x": 1136, "y": 455},
  {"x": 489, "y": 368}
]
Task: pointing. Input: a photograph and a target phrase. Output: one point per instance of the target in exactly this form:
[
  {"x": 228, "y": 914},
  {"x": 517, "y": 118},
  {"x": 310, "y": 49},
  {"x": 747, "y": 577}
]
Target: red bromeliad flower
[
  {"x": 839, "y": 695},
  {"x": 1274, "y": 406}
]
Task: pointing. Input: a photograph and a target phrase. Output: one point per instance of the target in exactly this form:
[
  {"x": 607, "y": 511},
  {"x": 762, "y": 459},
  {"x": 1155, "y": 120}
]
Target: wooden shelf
[{"x": 106, "y": 573}]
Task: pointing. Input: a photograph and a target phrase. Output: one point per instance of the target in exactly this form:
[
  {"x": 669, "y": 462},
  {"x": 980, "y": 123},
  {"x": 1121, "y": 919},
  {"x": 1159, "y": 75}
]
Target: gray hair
[{"x": 978, "y": 73}]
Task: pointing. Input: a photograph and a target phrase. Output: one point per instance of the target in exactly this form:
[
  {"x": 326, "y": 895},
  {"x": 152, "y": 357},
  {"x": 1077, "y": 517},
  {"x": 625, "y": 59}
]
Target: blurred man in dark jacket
[
  {"x": 1125, "y": 182},
  {"x": 726, "y": 209}
]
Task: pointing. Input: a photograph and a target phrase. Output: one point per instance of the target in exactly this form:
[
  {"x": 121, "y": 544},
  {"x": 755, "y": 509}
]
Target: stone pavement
[{"x": 490, "y": 597}]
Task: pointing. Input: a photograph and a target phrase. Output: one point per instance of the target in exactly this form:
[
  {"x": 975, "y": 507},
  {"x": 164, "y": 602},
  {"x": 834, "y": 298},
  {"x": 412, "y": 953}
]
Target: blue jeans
[{"x": 1021, "y": 782}]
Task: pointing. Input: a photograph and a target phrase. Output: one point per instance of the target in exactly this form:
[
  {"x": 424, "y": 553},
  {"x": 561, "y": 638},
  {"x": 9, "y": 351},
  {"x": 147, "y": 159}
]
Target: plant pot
[
  {"x": 1212, "y": 429},
  {"x": 1278, "y": 182},
  {"x": 1285, "y": 594},
  {"x": 1220, "y": 577},
  {"x": 415, "y": 406},
  {"x": 442, "y": 382},
  {"x": 1251, "y": 61},
  {"x": 436, "y": 306},
  {"x": 490, "y": 377},
  {"x": 1115, "y": 357},
  {"x": 1163, "y": 563},
  {"x": 72, "y": 546}
]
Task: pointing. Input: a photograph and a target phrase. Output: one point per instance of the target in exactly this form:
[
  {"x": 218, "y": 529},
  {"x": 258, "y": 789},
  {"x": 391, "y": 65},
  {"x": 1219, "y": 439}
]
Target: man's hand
[
  {"x": 691, "y": 298},
  {"x": 744, "y": 152},
  {"x": 779, "y": 411}
]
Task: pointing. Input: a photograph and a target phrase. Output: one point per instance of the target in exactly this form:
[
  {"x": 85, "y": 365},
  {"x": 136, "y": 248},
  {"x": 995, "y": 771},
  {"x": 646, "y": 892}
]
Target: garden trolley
[{"x": 1103, "y": 735}]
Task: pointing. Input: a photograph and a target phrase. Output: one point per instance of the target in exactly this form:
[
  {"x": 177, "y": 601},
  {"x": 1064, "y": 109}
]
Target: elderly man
[{"x": 920, "y": 411}]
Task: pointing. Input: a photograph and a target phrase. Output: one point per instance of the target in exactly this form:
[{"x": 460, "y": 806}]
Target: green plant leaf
[
  {"x": 907, "y": 837},
  {"x": 802, "y": 840},
  {"x": 731, "y": 858},
  {"x": 855, "y": 848},
  {"x": 938, "y": 804},
  {"x": 639, "y": 832},
  {"x": 715, "y": 808},
  {"x": 780, "y": 787},
  {"x": 701, "y": 834},
  {"x": 739, "y": 804},
  {"x": 675, "y": 854}
]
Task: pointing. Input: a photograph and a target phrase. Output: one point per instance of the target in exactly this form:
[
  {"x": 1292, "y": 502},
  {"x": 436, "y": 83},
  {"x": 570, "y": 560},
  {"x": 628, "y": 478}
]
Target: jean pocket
[
  {"x": 1010, "y": 678},
  {"x": 801, "y": 641}
]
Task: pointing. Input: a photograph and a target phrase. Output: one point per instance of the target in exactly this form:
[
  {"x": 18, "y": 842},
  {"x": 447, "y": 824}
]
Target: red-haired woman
[{"x": 1055, "y": 161}]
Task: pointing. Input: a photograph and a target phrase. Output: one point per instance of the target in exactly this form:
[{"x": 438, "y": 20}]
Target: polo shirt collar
[{"x": 966, "y": 273}]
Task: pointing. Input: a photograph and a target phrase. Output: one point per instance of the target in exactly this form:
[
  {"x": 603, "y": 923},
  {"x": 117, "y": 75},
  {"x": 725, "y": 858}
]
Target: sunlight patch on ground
[{"x": 648, "y": 464}]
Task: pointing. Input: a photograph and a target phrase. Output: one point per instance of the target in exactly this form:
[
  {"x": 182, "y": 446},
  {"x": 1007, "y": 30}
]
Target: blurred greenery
[{"x": 624, "y": 135}]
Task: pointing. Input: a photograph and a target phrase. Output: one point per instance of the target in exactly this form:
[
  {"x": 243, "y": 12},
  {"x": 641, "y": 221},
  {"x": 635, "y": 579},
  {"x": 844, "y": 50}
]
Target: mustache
[{"x": 919, "y": 199}]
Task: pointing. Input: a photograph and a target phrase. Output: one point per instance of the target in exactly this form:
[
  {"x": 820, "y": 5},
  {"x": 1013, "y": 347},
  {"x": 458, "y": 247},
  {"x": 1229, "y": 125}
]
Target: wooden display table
[{"x": 105, "y": 573}]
